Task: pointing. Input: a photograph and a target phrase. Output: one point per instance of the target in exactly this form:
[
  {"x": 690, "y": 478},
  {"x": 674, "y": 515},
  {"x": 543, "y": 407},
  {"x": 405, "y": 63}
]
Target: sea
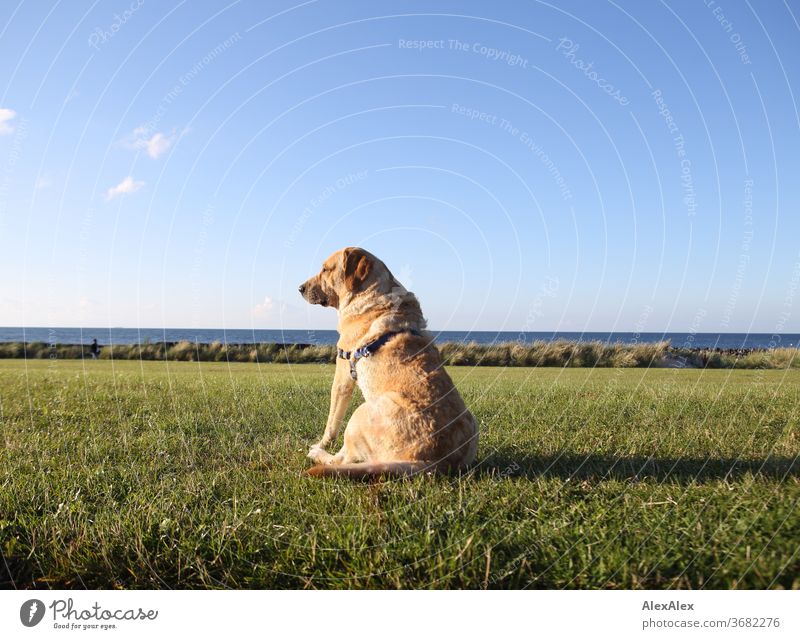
[{"x": 118, "y": 335}]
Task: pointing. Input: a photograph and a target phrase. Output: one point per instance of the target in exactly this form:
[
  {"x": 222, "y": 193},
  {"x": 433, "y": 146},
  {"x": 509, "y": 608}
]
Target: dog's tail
[{"x": 368, "y": 470}]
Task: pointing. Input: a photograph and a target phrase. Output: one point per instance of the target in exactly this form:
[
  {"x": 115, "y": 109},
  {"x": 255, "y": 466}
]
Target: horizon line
[{"x": 449, "y": 330}]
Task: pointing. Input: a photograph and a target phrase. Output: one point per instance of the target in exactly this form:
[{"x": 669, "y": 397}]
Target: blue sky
[{"x": 627, "y": 166}]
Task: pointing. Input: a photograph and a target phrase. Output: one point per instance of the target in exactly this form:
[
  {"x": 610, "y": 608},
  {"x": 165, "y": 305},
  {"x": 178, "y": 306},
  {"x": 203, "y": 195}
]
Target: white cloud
[
  {"x": 126, "y": 187},
  {"x": 42, "y": 182},
  {"x": 158, "y": 145},
  {"x": 264, "y": 309},
  {"x": 155, "y": 145},
  {"x": 6, "y": 115}
]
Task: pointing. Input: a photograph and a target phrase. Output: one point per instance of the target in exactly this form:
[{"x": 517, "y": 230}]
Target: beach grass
[
  {"x": 148, "y": 474},
  {"x": 541, "y": 353}
]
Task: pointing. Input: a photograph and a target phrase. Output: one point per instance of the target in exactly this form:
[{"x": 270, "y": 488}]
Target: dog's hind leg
[
  {"x": 356, "y": 448},
  {"x": 321, "y": 456}
]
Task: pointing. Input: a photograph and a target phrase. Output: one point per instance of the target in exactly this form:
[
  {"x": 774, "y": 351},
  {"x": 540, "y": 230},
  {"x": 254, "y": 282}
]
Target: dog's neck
[{"x": 368, "y": 315}]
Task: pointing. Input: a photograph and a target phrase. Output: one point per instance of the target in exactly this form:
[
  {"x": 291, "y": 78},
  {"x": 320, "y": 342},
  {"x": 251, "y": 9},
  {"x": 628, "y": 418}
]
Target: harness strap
[{"x": 369, "y": 349}]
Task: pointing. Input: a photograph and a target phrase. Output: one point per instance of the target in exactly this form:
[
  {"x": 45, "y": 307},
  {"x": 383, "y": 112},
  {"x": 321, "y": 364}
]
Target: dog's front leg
[{"x": 341, "y": 393}]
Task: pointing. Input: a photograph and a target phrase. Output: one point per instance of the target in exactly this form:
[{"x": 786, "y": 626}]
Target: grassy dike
[
  {"x": 145, "y": 474},
  {"x": 561, "y": 353}
]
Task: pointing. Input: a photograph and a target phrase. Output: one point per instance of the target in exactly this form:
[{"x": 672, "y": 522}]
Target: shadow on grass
[
  {"x": 16, "y": 573},
  {"x": 569, "y": 466}
]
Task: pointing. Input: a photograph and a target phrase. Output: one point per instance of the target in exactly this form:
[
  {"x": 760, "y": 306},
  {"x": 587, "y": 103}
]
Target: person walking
[{"x": 94, "y": 349}]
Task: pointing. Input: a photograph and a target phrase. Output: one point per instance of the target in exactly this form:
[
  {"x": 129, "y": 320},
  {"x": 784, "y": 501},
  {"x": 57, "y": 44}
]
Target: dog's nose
[{"x": 302, "y": 288}]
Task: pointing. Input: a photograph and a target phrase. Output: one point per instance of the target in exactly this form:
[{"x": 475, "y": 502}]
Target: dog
[{"x": 413, "y": 419}]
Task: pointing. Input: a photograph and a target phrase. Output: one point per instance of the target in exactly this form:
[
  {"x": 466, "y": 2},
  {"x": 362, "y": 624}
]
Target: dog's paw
[{"x": 316, "y": 452}]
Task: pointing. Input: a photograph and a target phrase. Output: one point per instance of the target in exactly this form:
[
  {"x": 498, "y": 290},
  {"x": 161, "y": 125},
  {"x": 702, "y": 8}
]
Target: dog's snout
[{"x": 302, "y": 288}]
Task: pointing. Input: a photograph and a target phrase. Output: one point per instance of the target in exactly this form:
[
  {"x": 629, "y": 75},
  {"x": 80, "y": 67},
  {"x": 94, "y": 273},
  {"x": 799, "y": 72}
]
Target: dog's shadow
[{"x": 507, "y": 464}]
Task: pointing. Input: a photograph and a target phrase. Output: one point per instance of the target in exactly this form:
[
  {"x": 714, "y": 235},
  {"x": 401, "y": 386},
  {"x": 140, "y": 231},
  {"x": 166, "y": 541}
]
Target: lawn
[{"x": 127, "y": 474}]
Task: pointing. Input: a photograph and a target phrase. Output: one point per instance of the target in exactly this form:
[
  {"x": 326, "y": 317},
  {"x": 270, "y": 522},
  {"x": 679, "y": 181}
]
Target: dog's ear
[{"x": 357, "y": 267}]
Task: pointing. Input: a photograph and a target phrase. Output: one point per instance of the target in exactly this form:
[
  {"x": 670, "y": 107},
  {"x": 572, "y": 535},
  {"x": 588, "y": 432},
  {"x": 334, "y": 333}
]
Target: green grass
[{"x": 126, "y": 474}]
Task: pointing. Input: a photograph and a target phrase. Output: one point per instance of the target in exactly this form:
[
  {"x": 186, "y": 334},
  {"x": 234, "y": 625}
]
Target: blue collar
[{"x": 369, "y": 349}]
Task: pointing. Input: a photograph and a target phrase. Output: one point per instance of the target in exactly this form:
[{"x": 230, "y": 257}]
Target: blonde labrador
[{"x": 413, "y": 418}]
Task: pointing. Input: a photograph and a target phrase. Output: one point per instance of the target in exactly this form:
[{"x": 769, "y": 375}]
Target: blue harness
[{"x": 369, "y": 349}]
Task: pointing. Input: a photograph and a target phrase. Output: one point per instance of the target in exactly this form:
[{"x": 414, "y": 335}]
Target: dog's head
[{"x": 345, "y": 274}]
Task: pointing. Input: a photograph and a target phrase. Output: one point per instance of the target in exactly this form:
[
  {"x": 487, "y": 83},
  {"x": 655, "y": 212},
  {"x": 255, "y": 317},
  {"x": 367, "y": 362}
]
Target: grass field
[{"x": 152, "y": 475}]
